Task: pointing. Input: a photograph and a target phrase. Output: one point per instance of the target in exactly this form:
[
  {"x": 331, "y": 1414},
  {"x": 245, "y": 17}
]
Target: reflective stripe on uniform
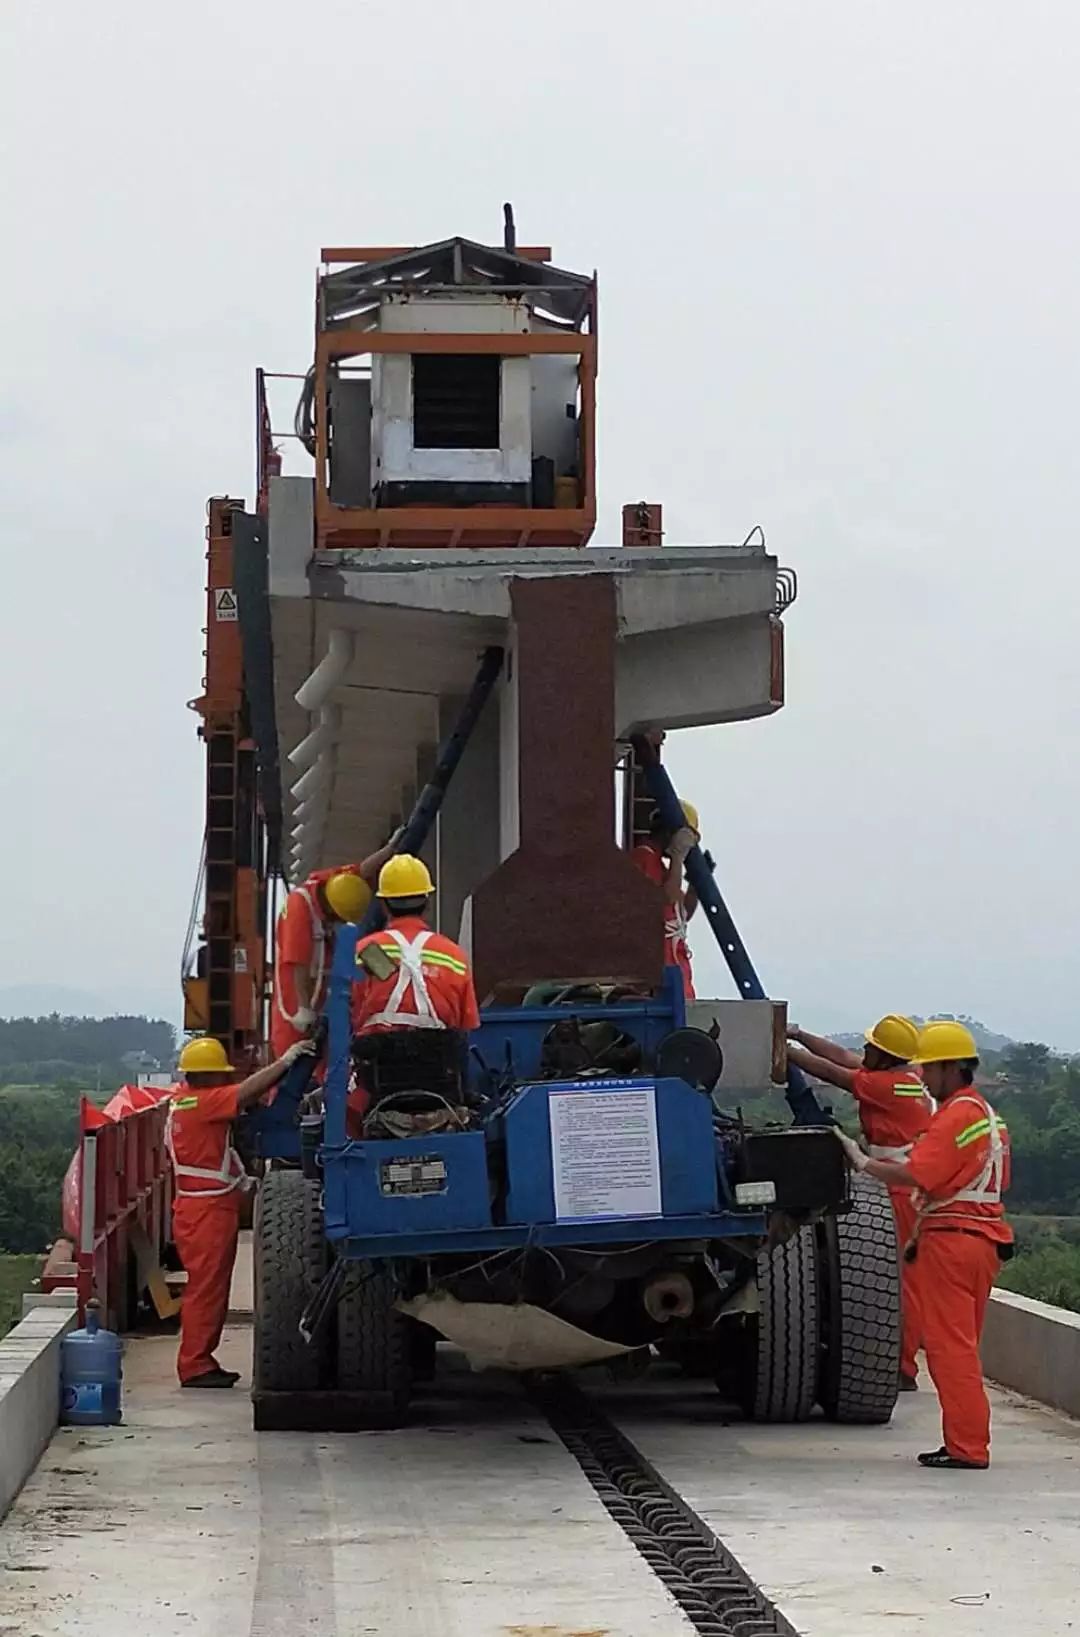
[
  {"x": 230, "y": 1174},
  {"x": 881, "y": 1151},
  {"x": 986, "y": 1189},
  {"x": 430, "y": 957},
  {"x": 904, "y": 1088},
  {"x": 318, "y": 934},
  {"x": 410, "y": 957}
]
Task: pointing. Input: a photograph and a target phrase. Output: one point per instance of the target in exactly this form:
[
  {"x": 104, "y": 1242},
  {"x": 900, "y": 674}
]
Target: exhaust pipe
[{"x": 668, "y": 1296}]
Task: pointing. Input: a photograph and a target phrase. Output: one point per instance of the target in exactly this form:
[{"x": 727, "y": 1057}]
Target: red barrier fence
[{"x": 124, "y": 1203}]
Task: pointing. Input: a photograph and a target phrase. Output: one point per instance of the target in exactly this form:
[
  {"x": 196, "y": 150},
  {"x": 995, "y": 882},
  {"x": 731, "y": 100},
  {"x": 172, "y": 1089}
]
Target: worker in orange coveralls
[
  {"x": 304, "y": 943},
  {"x": 894, "y": 1111},
  {"x": 663, "y": 859},
  {"x": 960, "y": 1168},
  {"x": 432, "y": 987},
  {"x": 210, "y": 1180}
]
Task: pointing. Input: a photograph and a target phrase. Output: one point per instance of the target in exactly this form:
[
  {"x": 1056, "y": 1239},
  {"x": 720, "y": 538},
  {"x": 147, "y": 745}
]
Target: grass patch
[{"x": 17, "y": 1274}]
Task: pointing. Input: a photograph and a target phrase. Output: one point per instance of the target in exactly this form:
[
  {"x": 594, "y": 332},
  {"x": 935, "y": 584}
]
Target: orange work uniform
[
  {"x": 206, "y": 1216},
  {"x": 649, "y": 859},
  {"x": 431, "y": 989},
  {"x": 894, "y": 1112},
  {"x": 961, "y": 1167},
  {"x": 303, "y": 937}
]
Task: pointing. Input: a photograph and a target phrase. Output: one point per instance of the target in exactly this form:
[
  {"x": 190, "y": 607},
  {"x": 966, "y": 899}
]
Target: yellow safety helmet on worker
[
  {"x": 405, "y": 877},
  {"x": 895, "y": 1035},
  {"x": 946, "y": 1041},
  {"x": 348, "y": 895},
  {"x": 204, "y": 1055},
  {"x": 689, "y": 813}
]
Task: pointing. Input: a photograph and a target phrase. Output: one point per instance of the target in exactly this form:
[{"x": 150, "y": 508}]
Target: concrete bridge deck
[{"x": 476, "y": 1522}]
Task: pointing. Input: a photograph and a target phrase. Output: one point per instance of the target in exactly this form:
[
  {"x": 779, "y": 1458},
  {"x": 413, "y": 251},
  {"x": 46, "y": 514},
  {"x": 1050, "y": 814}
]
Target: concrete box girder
[{"x": 695, "y": 644}]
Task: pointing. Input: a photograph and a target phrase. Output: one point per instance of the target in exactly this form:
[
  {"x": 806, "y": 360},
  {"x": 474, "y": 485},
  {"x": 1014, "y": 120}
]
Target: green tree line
[
  {"x": 1039, "y": 1099},
  {"x": 46, "y": 1066},
  {"x": 79, "y": 1052}
]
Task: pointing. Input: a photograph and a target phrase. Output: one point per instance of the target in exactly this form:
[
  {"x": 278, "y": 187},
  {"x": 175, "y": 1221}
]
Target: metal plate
[{"x": 412, "y": 1175}]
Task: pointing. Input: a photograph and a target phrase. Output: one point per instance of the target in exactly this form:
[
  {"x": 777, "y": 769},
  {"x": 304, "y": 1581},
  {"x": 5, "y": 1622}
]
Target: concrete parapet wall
[
  {"x": 29, "y": 1394},
  {"x": 1034, "y": 1349}
]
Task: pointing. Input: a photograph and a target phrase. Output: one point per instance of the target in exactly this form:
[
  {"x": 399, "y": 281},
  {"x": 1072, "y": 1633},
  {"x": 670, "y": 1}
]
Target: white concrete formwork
[{"x": 851, "y": 1538}]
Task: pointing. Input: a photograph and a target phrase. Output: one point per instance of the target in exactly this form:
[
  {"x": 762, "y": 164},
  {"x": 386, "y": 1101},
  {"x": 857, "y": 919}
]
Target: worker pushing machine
[
  {"x": 663, "y": 859},
  {"x": 960, "y": 1167},
  {"x": 210, "y": 1180},
  {"x": 304, "y": 943},
  {"x": 894, "y": 1111}
]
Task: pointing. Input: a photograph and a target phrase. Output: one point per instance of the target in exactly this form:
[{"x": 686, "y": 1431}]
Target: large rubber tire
[
  {"x": 780, "y": 1376},
  {"x": 374, "y": 1345},
  {"x": 290, "y": 1259},
  {"x": 859, "y": 1283}
]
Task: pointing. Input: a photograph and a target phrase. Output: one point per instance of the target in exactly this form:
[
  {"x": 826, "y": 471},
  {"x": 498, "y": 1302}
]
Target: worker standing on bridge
[
  {"x": 432, "y": 986},
  {"x": 663, "y": 859},
  {"x": 304, "y": 942},
  {"x": 960, "y": 1168},
  {"x": 210, "y": 1180},
  {"x": 894, "y": 1111}
]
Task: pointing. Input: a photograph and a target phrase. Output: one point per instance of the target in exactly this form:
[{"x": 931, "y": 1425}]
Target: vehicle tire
[
  {"x": 859, "y": 1289},
  {"x": 290, "y": 1259},
  {"x": 423, "y": 1343},
  {"x": 374, "y": 1344},
  {"x": 779, "y": 1376}
]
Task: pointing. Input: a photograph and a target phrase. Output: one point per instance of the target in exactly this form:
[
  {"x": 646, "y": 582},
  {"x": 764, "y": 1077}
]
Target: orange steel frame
[
  {"x": 460, "y": 525},
  {"x": 334, "y": 257},
  {"x": 226, "y": 997}
]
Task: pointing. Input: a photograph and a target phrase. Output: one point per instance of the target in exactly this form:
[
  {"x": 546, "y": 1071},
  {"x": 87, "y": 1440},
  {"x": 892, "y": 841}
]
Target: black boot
[
  {"x": 941, "y": 1458},
  {"x": 214, "y": 1378}
]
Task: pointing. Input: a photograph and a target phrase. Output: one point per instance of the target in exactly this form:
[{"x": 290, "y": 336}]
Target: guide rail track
[{"x": 706, "y": 1580}]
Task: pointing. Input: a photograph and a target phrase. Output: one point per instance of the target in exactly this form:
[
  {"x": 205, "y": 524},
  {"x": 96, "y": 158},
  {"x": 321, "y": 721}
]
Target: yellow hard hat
[
  {"x": 405, "y": 877},
  {"x": 204, "y": 1056},
  {"x": 348, "y": 895},
  {"x": 690, "y": 814},
  {"x": 945, "y": 1042},
  {"x": 896, "y": 1035}
]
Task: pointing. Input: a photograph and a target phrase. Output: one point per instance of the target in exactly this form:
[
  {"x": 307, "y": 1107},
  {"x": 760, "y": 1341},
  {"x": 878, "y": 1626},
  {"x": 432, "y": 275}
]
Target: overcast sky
[{"x": 837, "y": 247}]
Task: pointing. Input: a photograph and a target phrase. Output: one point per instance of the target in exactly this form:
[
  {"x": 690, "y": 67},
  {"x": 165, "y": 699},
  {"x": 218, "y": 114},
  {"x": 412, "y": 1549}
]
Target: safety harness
[
  {"x": 410, "y": 977},
  {"x": 985, "y": 1190},
  {"x": 899, "y": 1153},
  {"x": 229, "y": 1175},
  {"x": 676, "y": 926},
  {"x": 320, "y": 938}
]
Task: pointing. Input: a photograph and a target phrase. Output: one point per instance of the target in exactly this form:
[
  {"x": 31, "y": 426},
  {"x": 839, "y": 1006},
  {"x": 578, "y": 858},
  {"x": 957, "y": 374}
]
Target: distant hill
[
  {"x": 66, "y": 1051},
  {"x": 45, "y": 999},
  {"x": 987, "y": 1040}
]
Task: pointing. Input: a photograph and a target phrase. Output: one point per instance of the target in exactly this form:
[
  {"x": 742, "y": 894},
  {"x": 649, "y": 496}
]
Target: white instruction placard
[{"x": 605, "y": 1157}]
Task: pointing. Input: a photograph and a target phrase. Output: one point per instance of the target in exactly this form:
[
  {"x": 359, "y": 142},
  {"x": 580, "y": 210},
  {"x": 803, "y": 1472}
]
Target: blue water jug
[{"x": 91, "y": 1374}]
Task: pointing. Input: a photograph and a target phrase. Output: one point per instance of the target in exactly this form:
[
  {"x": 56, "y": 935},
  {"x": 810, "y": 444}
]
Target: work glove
[
  {"x": 682, "y": 842},
  {"x": 856, "y": 1158},
  {"x": 304, "y": 1017},
  {"x": 299, "y": 1048}
]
